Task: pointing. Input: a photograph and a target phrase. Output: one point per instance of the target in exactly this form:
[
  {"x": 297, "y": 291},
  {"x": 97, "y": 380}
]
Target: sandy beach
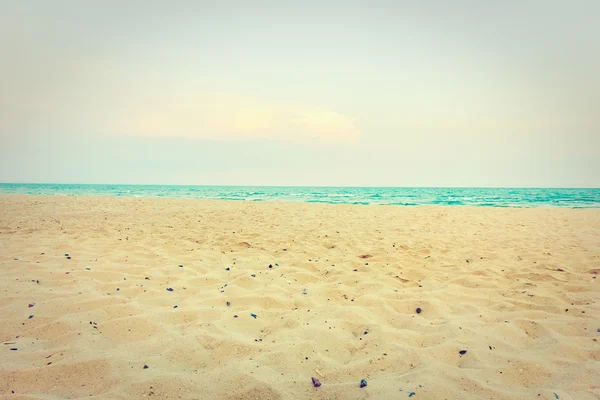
[{"x": 191, "y": 299}]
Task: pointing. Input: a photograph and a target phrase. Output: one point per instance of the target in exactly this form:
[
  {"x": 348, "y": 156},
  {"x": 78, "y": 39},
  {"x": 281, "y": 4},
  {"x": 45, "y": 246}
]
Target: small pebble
[
  {"x": 69, "y": 257},
  {"x": 66, "y": 254},
  {"x": 31, "y": 305},
  {"x": 411, "y": 394},
  {"x": 235, "y": 316},
  {"x": 174, "y": 306},
  {"x": 118, "y": 289},
  {"x": 228, "y": 304},
  {"x": 145, "y": 366},
  {"x": 418, "y": 310},
  {"x": 253, "y": 316},
  {"x": 253, "y": 275},
  {"x": 363, "y": 383},
  {"x": 462, "y": 352},
  {"x": 181, "y": 266},
  {"x": 31, "y": 316},
  {"x": 227, "y": 269},
  {"x": 366, "y": 332},
  {"x": 270, "y": 266},
  {"x": 170, "y": 289},
  {"x": 316, "y": 382},
  {"x": 14, "y": 349}
]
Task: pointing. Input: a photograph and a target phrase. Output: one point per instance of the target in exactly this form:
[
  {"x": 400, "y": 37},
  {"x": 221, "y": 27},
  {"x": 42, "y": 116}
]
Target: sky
[{"x": 338, "y": 93}]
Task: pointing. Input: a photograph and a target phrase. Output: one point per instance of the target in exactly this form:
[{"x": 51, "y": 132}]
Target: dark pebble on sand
[
  {"x": 366, "y": 332},
  {"x": 174, "y": 306},
  {"x": 31, "y": 316},
  {"x": 228, "y": 304},
  {"x": 66, "y": 254},
  {"x": 253, "y": 275},
  {"x": 31, "y": 305},
  {"x": 69, "y": 257},
  {"x": 145, "y": 366},
  {"x": 316, "y": 382},
  {"x": 411, "y": 394},
  {"x": 170, "y": 289},
  {"x": 253, "y": 316},
  {"x": 14, "y": 349},
  {"x": 363, "y": 383},
  {"x": 418, "y": 310},
  {"x": 227, "y": 269},
  {"x": 270, "y": 266},
  {"x": 462, "y": 352},
  {"x": 118, "y": 289}
]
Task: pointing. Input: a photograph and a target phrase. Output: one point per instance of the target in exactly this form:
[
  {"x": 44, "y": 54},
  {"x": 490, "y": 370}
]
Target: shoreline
[
  {"x": 283, "y": 202},
  {"x": 402, "y": 196}
]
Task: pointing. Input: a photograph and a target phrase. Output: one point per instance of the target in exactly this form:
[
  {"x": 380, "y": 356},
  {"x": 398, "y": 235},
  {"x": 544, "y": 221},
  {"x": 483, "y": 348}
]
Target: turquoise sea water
[{"x": 491, "y": 197}]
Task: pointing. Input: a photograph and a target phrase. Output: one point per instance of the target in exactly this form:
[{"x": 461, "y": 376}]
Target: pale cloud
[{"x": 233, "y": 118}]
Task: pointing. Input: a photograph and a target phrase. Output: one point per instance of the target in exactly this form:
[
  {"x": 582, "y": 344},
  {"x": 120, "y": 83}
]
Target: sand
[{"x": 334, "y": 288}]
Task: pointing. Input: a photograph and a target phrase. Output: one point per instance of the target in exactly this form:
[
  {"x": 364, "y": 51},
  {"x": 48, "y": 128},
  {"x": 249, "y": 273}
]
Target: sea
[{"x": 401, "y": 196}]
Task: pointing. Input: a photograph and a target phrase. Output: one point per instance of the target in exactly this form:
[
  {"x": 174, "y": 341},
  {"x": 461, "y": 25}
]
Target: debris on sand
[{"x": 316, "y": 382}]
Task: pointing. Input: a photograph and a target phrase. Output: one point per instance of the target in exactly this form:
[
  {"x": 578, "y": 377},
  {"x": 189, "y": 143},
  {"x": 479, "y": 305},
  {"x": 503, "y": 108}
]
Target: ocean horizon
[{"x": 405, "y": 196}]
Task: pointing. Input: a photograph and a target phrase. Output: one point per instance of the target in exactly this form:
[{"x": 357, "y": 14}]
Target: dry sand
[{"x": 516, "y": 288}]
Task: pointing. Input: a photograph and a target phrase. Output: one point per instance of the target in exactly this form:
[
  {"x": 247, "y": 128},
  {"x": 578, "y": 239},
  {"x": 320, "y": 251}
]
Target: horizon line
[{"x": 304, "y": 186}]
